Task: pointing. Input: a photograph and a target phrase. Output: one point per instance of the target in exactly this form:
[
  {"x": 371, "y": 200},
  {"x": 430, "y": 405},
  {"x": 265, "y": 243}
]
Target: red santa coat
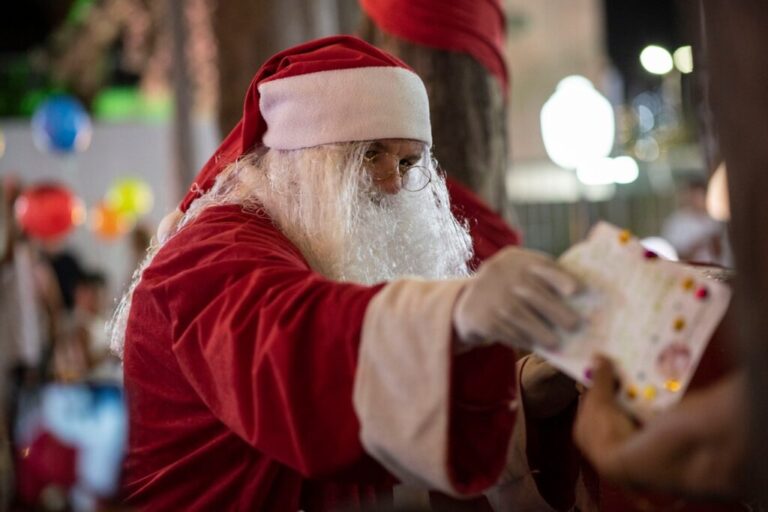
[{"x": 252, "y": 383}]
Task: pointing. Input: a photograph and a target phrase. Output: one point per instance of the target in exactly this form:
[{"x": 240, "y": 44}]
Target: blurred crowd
[{"x": 57, "y": 374}]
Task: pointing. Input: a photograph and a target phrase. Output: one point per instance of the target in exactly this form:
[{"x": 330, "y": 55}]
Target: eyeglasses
[{"x": 414, "y": 177}]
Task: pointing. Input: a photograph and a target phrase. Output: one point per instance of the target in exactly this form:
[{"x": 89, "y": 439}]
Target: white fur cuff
[{"x": 402, "y": 382}]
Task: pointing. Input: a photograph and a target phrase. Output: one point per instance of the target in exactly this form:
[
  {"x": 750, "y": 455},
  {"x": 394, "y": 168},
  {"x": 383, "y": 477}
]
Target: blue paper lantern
[{"x": 61, "y": 125}]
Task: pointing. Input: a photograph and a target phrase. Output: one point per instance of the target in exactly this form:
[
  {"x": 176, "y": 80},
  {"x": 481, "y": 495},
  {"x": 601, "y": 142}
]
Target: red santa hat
[
  {"x": 475, "y": 27},
  {"x": 335, "y": 89}
]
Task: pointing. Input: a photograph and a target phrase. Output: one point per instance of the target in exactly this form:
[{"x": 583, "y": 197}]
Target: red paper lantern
[{"x": 48, "y": 211}]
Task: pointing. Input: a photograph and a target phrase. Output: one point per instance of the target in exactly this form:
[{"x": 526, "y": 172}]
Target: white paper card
[{"x": 653, "y": 317}]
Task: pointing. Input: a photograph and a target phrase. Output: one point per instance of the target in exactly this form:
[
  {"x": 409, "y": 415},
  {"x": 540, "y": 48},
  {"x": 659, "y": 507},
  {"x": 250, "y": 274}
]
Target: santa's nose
[
  {"x": 386, "y": 174},
  {"x": 392, "y": 184}
]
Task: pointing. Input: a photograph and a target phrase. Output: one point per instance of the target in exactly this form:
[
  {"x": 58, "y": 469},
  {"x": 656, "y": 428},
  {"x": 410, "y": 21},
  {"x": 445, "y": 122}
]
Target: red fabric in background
[
  {"x": 474, "y": 27},
  {"x": 46, "y": 462}
]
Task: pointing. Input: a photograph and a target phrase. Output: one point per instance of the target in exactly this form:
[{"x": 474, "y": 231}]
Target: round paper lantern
[
  {"x": 108, "y": 223},
  {"x": 130, "y": 196},
  {"x": 48, "y": 211},
  {"x": 61, "y": 125}
]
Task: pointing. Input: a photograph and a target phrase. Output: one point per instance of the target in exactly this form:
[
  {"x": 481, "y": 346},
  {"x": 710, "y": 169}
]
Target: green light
[
  {"x": 117, "y": 103},
  {"x": 79, "y": 11},
  {"x": 126, "y": 103}
]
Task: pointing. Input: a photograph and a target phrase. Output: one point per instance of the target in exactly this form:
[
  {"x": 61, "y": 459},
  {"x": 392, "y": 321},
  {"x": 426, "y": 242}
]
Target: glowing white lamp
[
  {"x": 656, "y": 60},
  {"x": 577, "y": 124}
]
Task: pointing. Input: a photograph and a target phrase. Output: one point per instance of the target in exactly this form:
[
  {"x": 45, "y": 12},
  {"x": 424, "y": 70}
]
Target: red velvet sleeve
[
  {"x": 269, "y": 345},
  {"x": 482, "y": 416}
]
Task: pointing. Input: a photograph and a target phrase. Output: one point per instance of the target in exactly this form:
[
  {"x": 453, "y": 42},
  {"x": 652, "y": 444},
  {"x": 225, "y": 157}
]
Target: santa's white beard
[{"x": 325, "y": 203}]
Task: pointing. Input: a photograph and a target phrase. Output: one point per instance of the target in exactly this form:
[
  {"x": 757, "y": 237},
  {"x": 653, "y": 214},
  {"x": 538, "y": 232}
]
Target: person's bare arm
[{"x": 696, "y": 448}]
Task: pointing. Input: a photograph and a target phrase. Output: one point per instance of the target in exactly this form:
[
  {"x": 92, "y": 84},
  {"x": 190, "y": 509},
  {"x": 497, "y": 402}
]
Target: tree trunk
[
  {"x": 248, "y": 32},
  {"x": 183, "y": 166}
]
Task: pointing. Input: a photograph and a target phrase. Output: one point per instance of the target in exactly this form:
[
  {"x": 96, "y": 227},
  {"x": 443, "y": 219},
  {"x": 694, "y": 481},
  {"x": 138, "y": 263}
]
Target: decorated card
[{"x": 653, "y": 317}]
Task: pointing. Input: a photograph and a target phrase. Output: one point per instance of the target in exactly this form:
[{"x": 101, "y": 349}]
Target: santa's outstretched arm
[{"x": 277, "y": 352}]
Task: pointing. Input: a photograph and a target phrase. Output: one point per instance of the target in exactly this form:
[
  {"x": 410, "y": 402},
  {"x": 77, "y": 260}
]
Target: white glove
[{"x": 516, "y": 298}]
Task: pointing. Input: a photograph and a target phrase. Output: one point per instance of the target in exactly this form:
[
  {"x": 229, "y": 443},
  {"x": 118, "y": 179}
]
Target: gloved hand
[{"x": 516, "y": 298}]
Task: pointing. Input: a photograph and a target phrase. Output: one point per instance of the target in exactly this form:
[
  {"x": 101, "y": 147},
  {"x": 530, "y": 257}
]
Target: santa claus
[{"x": 308, "y": 333}]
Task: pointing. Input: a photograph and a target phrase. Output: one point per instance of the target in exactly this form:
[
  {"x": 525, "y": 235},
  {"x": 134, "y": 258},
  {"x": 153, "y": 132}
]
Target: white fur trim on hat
[{"x": 345, "y": 105}]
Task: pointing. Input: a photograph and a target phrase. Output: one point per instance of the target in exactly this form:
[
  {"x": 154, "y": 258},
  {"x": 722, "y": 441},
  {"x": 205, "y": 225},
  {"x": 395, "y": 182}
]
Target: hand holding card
[{"x": 651, "y": 316}]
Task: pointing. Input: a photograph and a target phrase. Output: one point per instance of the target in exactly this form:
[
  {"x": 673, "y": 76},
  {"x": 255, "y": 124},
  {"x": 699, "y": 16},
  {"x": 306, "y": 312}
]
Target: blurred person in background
[
  {"x": 67, "y": 269},
  {"x": 30, "y": 305},
  {"x": 24, "y": 284},
  {"x": 692, "y": 232},
  {"x": 82, "y": 351}
]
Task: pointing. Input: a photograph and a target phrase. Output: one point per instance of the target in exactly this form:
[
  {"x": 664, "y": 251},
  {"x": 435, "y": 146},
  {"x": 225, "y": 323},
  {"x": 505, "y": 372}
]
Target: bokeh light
[
  {"x": 656, "y": 60},
  {"x": 130, "y": 196},
  {"x": 625, "y": 170},
  {"x": 577, "y": 124},
  {"x": 683, "y": 58}
]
